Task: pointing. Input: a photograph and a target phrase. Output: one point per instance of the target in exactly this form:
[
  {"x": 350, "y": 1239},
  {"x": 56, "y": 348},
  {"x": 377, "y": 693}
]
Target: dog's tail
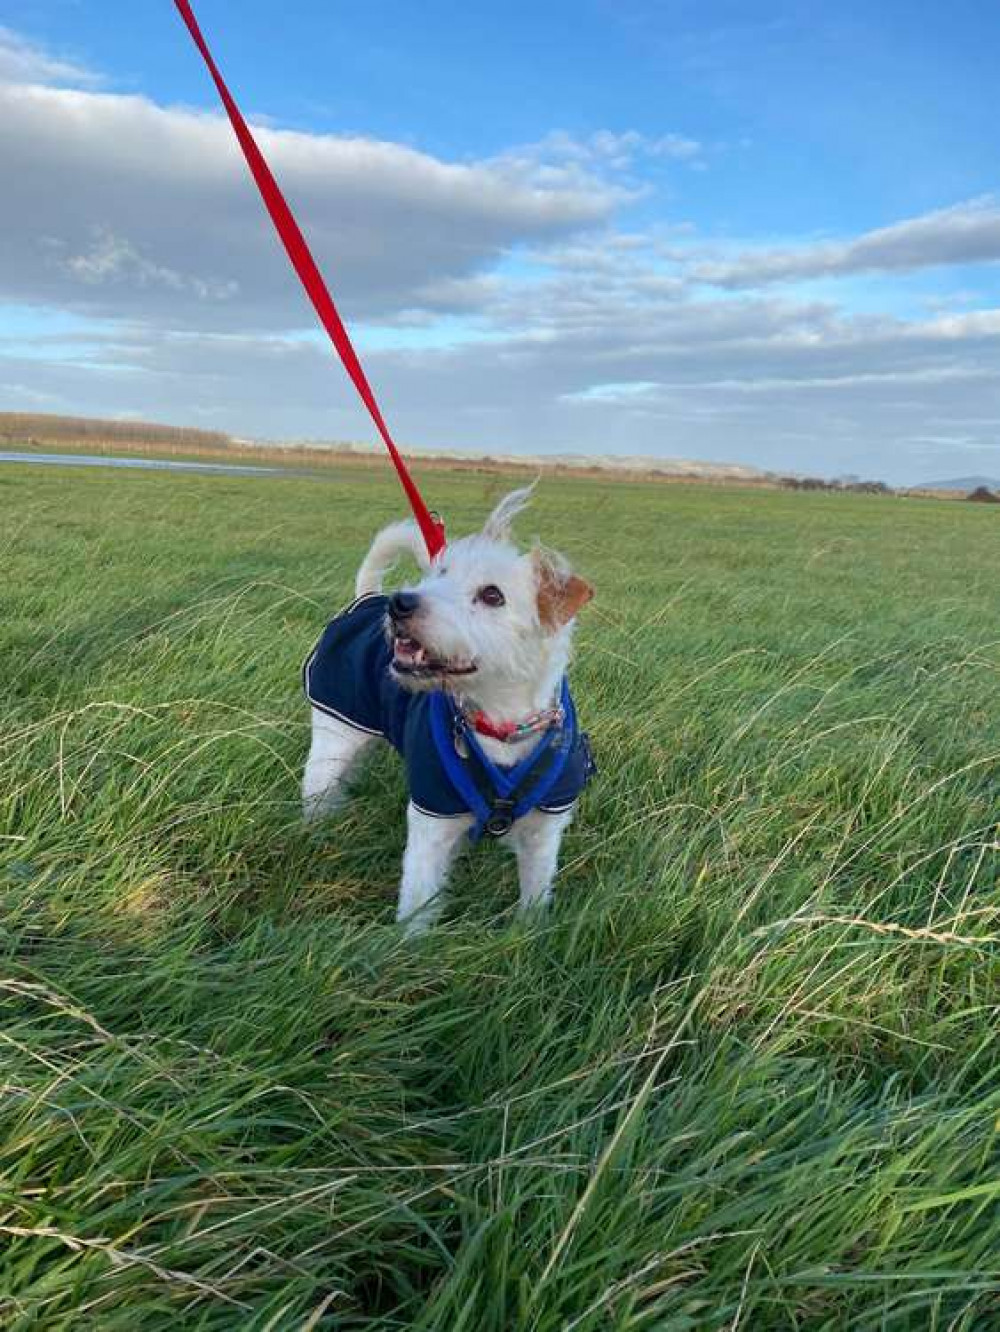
[{"x": 395, "y": 540}]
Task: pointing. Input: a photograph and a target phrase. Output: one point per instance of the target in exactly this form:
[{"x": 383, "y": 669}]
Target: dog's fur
[{"x": 518, "y": 653}]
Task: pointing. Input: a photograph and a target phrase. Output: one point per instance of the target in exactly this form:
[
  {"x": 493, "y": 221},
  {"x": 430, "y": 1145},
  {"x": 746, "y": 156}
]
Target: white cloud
[
  {"x": 111, "y": 261},
  {"x": 971, "y": 323},
  {"x": 621, "y": 148},
  {"x": 584, "y": 159},
  {"x": 386, "y": 221},
  {"x": 22, "y": 61},
  {"x": 967, "y": 233}
]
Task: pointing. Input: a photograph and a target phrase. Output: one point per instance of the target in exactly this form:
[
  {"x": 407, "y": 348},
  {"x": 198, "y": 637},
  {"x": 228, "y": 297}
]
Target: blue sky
[{"x": 749, "y": 232}]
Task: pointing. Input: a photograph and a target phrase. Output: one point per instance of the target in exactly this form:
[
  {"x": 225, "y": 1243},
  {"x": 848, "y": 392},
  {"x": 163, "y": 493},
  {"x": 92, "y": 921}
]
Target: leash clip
[{"x": 501, "y": 818}]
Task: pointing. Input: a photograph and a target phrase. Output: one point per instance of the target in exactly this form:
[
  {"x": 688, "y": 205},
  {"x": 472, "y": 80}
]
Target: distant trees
[
  {"x": 981, "y": 495},
  {"x": 39, "y": 429}
]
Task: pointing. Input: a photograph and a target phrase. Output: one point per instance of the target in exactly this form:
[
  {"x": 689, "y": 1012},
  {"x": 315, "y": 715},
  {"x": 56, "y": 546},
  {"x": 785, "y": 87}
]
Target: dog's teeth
[
  {"x": 415, "y": 658},
  {"x": 406, "y": 649}
]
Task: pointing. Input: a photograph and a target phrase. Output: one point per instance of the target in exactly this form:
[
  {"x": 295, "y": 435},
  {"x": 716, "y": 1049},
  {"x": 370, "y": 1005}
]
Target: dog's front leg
[
  {"x": 431, "y": 843},
  {"x": 536, "y": 844}
]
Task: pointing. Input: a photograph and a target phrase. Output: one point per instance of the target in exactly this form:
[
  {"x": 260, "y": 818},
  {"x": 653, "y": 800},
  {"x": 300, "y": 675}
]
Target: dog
[{"x": 464, "y": 673}]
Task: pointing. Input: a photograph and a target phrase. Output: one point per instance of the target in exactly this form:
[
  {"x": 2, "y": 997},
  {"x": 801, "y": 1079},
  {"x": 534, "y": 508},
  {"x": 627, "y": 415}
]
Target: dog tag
[{"x": 461, "y": 748}]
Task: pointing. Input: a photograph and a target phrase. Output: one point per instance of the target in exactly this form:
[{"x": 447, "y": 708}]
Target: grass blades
[{"x": 743, "y": 1076}]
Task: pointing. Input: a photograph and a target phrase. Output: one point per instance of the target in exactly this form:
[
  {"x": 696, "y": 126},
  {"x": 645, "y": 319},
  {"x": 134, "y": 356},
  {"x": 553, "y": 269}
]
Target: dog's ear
[
  {"x": 561, "y": 593},
  {"x": 497, "y": 525}
]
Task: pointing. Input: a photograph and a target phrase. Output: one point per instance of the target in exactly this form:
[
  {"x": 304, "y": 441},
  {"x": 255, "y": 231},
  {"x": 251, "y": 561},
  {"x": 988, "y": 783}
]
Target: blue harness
[
  {"x": 448, "y": 772},
  {"x": 507, "y": 793}
]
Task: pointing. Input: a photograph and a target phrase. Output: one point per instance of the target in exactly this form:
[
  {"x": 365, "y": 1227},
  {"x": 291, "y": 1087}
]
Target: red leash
[{"x": 316, "y": 289}]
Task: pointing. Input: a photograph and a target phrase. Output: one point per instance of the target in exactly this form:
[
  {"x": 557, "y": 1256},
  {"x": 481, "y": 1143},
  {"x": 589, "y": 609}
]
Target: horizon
[
  {"x": 766, "y": 237},
  {"x": 655, "y": 464}
]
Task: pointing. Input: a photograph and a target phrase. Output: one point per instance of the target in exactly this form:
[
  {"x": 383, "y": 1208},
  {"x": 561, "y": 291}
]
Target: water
[{"x": 140, "y": 464}]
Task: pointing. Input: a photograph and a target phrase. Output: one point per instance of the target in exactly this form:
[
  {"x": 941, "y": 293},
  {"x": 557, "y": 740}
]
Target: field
[{"x": 745, "y": 1075}]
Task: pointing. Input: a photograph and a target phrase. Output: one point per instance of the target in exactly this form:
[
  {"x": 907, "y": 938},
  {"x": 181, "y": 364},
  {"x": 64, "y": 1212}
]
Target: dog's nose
[{"x": 403, "y": 605}]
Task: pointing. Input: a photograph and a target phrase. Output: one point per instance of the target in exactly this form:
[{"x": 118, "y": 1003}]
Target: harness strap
[{"x": 495, "y": 796}]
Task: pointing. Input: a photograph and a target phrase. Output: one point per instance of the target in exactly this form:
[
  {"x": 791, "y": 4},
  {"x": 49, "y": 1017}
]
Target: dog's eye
[{"x": 490, "y": 595}]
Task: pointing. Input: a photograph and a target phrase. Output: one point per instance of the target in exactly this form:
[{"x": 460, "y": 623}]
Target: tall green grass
[{"x": 744, "y": 1075}]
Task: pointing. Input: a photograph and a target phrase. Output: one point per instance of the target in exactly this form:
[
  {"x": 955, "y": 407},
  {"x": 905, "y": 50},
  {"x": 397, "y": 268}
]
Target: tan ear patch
[{"x": 560, "y": 596}]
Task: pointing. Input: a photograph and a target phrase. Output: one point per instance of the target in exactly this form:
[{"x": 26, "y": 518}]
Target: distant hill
[
  {"x": 963, "y": 483},
  {"x": 633, "y": 464}
]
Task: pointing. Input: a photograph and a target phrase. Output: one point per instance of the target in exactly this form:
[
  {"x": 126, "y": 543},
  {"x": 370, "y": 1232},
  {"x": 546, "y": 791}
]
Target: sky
[{"x": 719, "y": 230}]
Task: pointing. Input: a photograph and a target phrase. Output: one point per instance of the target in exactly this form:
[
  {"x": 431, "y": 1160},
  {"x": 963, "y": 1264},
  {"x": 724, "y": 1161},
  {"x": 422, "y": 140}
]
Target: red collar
[{"x": 509, "y": 731}]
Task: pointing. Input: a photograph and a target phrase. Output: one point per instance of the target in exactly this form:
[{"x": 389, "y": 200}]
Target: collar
[
  {"x": 494, "y": 794},
  {"x": 510, "y": 731}
]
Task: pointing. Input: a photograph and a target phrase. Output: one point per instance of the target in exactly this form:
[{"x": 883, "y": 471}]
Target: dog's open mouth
[{"x": 411, "y": 658}]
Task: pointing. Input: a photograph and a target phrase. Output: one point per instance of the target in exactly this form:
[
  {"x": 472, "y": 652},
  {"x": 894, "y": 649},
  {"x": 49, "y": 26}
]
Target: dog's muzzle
[{"x": 410, "y": 658}]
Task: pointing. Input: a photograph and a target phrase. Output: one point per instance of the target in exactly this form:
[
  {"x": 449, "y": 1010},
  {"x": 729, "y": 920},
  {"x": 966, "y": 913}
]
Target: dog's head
[{"x": 486, "y": 615}]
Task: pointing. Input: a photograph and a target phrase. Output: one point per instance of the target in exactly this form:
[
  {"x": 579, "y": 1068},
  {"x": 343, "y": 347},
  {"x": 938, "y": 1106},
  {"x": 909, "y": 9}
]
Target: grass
[{"x": 744, "y": 1076}]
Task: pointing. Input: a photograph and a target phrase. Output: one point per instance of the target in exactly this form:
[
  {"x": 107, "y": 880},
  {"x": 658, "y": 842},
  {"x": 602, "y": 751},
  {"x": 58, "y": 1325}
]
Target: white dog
[{"x": 464, "y": 674}]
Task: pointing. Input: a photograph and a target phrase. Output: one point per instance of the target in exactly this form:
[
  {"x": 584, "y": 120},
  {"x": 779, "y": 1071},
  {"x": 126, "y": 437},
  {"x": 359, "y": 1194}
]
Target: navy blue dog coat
[{"x": 448, "y": 774}]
